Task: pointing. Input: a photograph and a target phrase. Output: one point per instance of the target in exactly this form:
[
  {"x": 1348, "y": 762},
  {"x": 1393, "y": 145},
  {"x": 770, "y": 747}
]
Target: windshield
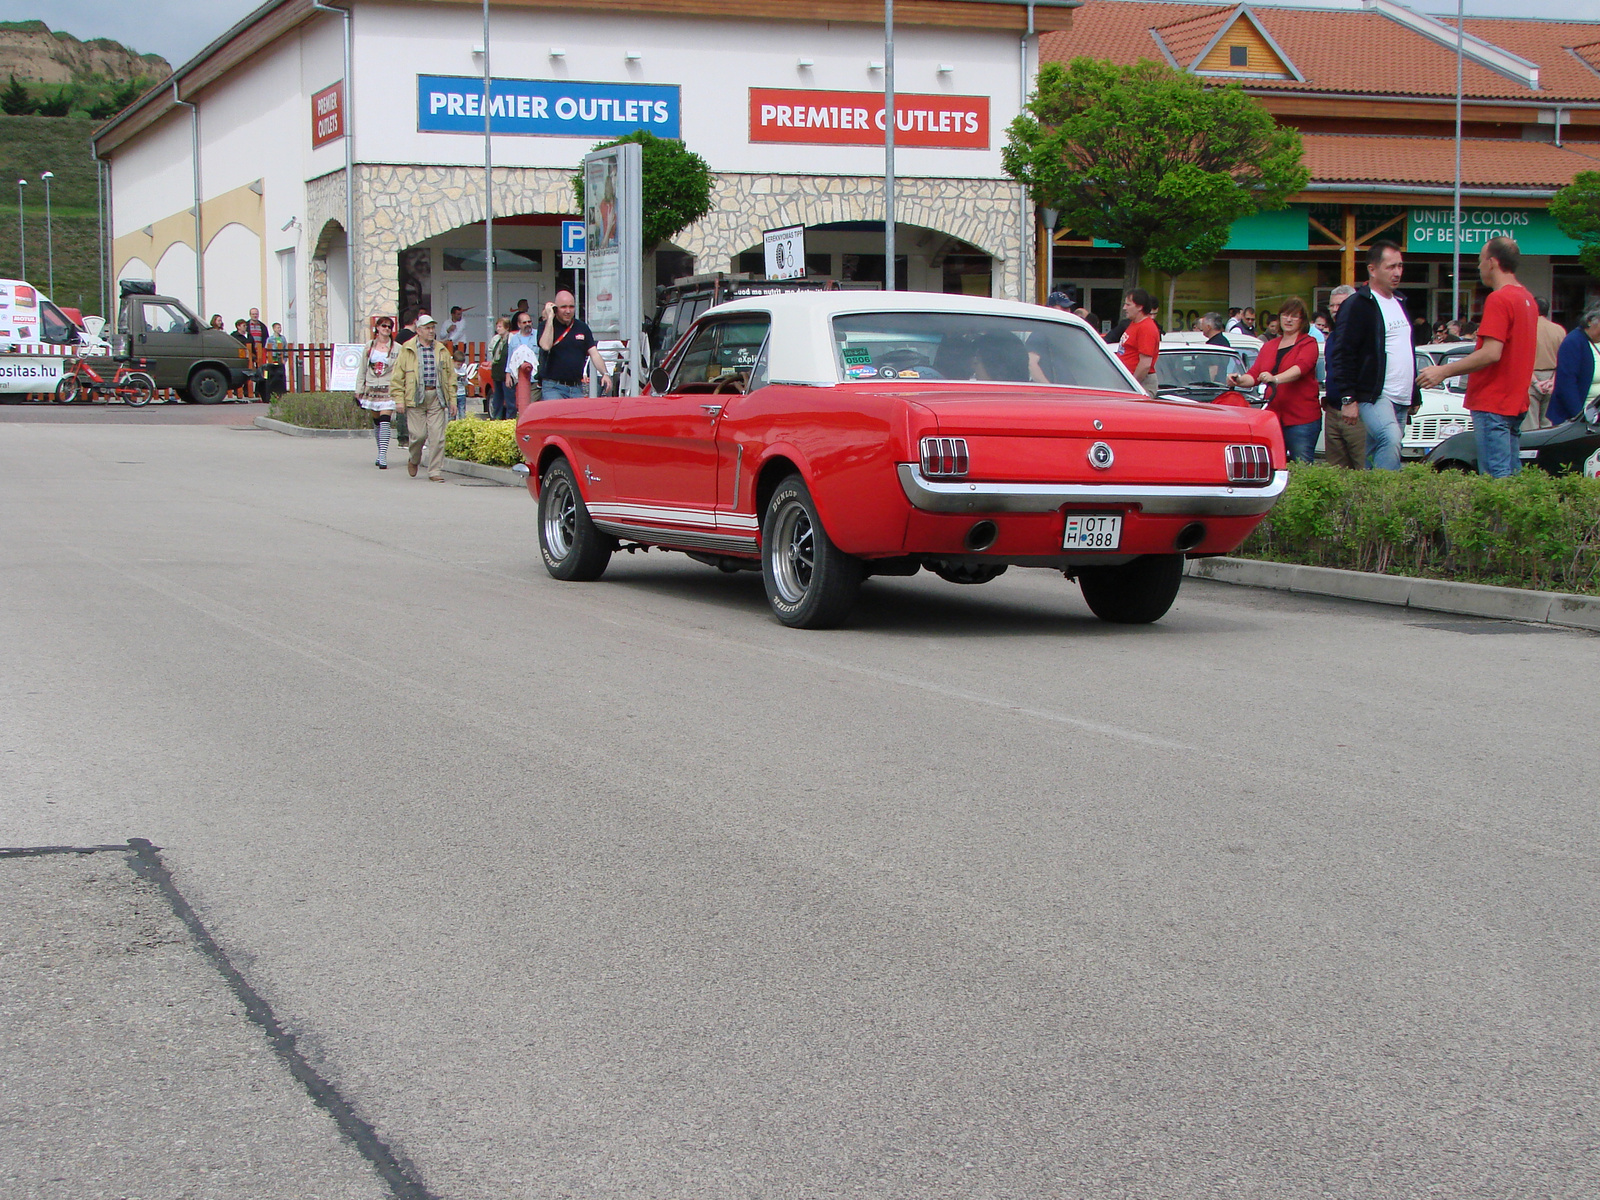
[
  {"x": 1205, "y": 370},
  {"x": 927, "y": 345}
]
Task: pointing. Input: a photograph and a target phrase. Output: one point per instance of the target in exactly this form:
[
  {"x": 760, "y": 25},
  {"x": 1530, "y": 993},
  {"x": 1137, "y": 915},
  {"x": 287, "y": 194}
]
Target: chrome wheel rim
[
  {"x": 794, "y": 552},
  {"x": 560, "y": 517}
]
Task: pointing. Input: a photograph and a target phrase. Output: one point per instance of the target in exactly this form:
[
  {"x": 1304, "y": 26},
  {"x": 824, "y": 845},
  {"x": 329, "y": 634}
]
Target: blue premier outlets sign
[{"x": 546, "y": 107}]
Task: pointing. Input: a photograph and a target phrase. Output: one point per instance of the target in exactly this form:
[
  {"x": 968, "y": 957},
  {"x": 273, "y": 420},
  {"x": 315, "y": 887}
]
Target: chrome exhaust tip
[
  {"x": 1190, "y": 536},
  {"x": 982, "y": 535}
]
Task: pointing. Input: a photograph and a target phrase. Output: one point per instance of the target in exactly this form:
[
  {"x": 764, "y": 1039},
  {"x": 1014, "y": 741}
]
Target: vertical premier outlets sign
[
  {"x": 546, "y": 107},
  {"x": 857, "y": 119},
  {"x": 327, "y": 115}
]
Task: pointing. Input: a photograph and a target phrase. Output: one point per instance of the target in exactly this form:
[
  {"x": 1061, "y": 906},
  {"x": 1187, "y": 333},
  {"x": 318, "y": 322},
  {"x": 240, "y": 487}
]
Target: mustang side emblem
[
  {"x": 590, "y": 475},
  {"x": 1101, "y": 457}
]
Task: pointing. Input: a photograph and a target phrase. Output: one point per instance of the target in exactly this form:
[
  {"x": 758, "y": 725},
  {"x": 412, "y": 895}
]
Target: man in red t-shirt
[
  {"x": 1501, "y": 367},
  {"x": 1141, "y": 341}
]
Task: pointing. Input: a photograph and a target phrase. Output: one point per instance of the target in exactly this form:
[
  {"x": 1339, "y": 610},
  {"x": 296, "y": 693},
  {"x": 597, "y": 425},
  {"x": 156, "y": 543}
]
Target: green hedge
[
  {"x": 493, "y": 443},
  {"x": 1532, "y": 531},
  {"x": 320, "y": 410}
]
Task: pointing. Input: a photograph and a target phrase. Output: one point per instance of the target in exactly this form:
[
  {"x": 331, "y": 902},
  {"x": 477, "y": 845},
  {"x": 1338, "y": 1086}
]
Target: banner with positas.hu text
[{"x": 1431, "y": 230}]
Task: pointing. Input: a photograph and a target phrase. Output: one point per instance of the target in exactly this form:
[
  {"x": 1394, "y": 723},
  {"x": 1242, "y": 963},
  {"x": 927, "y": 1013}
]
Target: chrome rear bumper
[{"x": 1181, "y": 499}]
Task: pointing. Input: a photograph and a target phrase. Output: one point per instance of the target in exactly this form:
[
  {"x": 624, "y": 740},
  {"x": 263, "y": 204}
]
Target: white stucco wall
[
  {"x": 713, "y": 62},
  {"x": 151, "y": 176}
]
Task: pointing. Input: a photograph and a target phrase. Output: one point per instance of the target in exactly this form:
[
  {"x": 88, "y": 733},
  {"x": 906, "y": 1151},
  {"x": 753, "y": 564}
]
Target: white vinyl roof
[{"x": 801, "y": 348}]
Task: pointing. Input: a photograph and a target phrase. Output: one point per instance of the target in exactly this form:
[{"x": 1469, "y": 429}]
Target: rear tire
[
  {"x": 1135, "y": 593},
  {"x": 811, "y": 583},
  {"x": 208, "y": 386},
  {"x": 138, "y": 389},
  {"x": 572, "y": 548}
]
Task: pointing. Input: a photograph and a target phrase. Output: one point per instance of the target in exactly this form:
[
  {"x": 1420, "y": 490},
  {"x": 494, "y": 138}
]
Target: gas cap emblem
[
  {"x": 1101, "y": 457},
  {"x": 1099, "y": 424}
]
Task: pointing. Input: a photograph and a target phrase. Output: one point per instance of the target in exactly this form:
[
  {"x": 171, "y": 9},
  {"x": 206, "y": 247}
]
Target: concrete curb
[
  {"x": 301, "y": 431},
  {"x": 505, "y": 476},
  {"x": 1433, "y": 595}
]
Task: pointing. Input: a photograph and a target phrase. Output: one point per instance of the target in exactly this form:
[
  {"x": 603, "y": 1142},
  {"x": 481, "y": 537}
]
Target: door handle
[{"x": 712, "y": 410}]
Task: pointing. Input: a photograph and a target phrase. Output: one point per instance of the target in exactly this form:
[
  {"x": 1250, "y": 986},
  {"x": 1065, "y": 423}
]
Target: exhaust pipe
[
  {"x": 982, "y": 535},
  {"x": 1190, "y": 536}
]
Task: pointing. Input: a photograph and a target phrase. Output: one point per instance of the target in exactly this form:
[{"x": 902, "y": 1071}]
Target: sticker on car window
[
  {"x": 856, "y": 356},
  {"x": 861, "y": 372}
]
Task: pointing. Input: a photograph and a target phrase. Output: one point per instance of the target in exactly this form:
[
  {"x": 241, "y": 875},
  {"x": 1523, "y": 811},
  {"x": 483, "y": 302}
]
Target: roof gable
[{"x": 1232, "y": 44}]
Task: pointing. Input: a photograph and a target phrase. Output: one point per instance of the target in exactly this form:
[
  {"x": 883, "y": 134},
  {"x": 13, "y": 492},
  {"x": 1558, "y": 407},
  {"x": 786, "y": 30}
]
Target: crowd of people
[
  {"x": 413, "y": 374},
  {"x": 1349, "y": 372}
]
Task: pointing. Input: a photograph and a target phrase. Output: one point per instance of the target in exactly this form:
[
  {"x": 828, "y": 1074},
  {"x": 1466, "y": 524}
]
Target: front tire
[
  {"x": 573, "y": 549},
  {"x": 68, "y": 389},
  {"x": 1135, "y": 593},
  {"x": 811, "y": 583},
  {"x": 208, "y": 386}
]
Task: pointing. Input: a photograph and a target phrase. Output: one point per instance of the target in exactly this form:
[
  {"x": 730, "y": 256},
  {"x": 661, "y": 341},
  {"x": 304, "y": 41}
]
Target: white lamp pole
[
  {"x": 49, "y": 236},
  {"x": 1455, "y": 269},
  {"x": 488, "y": 187},
  {"x": 888, "y": 146},
  {"x": 22, "y": 231}
]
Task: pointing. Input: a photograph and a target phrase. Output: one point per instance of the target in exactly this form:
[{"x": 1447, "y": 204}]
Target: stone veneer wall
[
  {"x": 324, "y": 207},
  {"x": 399, "y": 206}
]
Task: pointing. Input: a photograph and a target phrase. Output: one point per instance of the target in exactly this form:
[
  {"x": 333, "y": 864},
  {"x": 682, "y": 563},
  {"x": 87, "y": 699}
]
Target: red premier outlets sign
[
  {"x": 327, "y": 115},
  {"x": 856, "y": 119}
]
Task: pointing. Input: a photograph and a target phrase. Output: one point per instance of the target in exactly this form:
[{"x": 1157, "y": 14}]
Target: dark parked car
[{"x": 1560, "y": 448}]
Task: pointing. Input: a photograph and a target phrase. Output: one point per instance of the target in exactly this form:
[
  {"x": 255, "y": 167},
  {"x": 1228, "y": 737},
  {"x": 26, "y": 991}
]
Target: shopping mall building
[
  {"x": 325, "y": 164},
  {"x": 1372, "y": 91},
  {"x": 289, "y": 169}
]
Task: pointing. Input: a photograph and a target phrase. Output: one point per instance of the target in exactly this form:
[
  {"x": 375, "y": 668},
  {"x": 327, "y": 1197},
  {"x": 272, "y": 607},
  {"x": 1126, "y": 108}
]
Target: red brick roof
[
  {"x": 1355, "y": 52},
  {"x": 1485, "y": 163}
]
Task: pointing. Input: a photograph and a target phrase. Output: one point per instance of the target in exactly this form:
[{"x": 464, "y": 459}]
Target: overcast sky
[{"x": 177, "y": 29}]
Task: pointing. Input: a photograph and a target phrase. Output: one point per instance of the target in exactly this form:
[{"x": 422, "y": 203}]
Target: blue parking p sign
[{"x": 572, "y": 239}]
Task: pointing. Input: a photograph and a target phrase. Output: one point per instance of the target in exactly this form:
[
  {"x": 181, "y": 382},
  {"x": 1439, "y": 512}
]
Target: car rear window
[
  {"x": 945, "y": 345},
  {"x": 1196, "y": 368}
]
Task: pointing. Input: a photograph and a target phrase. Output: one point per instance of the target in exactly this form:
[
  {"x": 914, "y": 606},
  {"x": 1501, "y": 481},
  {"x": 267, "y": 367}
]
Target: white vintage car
[{"x": 1444, "y": 410}]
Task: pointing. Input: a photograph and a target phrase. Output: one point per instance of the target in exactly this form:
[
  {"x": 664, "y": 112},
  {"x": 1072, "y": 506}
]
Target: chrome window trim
[{"x": 1234, "y": 500}]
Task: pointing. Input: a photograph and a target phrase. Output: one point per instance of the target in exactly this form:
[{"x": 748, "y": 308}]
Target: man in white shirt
[
  {"x": 1372, "y": 365},
  {"x": 456, "y": 327}
]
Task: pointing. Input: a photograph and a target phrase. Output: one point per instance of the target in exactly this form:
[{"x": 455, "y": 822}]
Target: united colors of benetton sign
[
  {"x": 546, "y": 107},
  {"x": 857, "y": 119}
]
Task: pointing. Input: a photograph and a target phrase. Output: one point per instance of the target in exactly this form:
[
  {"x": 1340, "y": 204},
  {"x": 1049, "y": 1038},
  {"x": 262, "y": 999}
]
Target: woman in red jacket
[{"x": 1287, "y": 365}]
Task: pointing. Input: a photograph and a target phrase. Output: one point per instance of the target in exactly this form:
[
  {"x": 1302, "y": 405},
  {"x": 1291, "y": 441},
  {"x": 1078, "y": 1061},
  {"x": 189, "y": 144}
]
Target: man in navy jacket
[{"x": 1575, "y": 369}]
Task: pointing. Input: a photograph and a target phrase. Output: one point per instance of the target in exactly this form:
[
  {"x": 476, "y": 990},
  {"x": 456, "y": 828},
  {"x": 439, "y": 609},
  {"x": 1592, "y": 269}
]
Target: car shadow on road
[{"x": 889, "y": 606}]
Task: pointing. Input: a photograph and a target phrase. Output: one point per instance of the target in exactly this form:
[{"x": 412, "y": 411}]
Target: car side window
[
  {"x": 721, "y": 354},
  {"x": 163, "y": 318},
  {"x": 54, "y": 326},
  {"x": 694, "y": 364}
]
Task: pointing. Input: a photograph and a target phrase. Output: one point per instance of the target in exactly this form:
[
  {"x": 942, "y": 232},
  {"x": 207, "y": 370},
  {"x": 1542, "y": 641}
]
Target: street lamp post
[
  {"x": 49, "y": 236},
  {"x": 888, "y": 146},
  {"x": 1455, "y": 258},
  {"x": 22, "y": 231}
]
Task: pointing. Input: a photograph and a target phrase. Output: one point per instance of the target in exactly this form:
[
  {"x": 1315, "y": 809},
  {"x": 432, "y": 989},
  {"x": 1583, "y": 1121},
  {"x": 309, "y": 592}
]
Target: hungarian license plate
[{"x": 1093, "y": 531}]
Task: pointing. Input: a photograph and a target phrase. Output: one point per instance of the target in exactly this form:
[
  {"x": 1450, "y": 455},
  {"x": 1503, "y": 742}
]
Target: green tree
[
  {"x": 676, "y": 188},
  {"x": 1151, "y": 158},
  {"x": 1576, "y": 209},
  {"x": 117, "y": 99},
  {"x": 59, "y": 105},
  {"x": 16, "y": 100}
]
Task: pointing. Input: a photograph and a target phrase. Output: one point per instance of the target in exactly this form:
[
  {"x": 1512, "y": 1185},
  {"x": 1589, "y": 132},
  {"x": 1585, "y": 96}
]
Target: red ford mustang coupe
[{"x": 823, "y": 437}]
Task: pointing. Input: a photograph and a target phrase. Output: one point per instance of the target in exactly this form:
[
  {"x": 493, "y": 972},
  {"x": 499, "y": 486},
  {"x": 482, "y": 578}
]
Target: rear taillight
[
  {"x": 1249, "y": 464},
  {"x": 944, "y": 457}
]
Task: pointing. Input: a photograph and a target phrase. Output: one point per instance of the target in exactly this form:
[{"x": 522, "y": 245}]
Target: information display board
[
  {"x": 786, "y": 252},
  {"x": 613, "y": 218}
]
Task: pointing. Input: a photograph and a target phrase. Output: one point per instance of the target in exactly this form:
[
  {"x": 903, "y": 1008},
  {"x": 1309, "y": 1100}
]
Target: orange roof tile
[
  {"x": 1350, "y": 51},
  {"x": 1430, "y": 162},
  {"x": 1186, "y": 37}
]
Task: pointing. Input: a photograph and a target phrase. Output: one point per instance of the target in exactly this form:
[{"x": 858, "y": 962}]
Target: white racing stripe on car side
[{"x": 663, "y": 515}]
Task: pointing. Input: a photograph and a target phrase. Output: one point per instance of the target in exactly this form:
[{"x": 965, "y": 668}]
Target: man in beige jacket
[
  {"x": 423, "y": 386},
  {"x": 1549, "y": 340}
]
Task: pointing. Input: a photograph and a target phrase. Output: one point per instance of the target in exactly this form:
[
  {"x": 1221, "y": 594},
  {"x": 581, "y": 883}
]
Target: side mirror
[{"x": 659, "y": 380}]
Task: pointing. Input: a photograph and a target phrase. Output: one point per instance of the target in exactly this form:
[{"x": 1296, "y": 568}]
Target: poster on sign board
[
  {"x": 613, "y": 220},
  {"x": 786, "y": 252},
  {"x": 346, "y": 363}
]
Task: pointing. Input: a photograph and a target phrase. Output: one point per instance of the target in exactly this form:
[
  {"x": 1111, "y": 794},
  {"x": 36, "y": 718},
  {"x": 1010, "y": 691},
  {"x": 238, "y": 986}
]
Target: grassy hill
[{"x": 29, "y": 146}]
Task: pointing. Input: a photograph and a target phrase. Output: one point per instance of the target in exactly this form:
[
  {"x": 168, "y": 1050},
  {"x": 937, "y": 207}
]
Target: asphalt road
[{"x": 624, "y": 890}]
